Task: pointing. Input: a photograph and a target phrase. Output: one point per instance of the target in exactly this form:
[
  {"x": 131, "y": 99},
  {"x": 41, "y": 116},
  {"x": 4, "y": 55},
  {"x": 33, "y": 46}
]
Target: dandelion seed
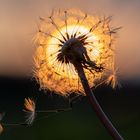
[
  {"x": 1, "y": 129},
  {"x": 113, "y": 78},
  {"x": 29, "y": 105},
  {"x": 1, "y": 117},
  {"x": 53, "y": 69}
]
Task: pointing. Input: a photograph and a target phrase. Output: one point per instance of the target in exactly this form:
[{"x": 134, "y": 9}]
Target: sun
[{"x": 61, "y": 31}]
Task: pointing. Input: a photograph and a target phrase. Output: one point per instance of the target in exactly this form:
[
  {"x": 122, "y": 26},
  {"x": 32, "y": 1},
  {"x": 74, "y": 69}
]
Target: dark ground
[{"x": 121, "y": 105}]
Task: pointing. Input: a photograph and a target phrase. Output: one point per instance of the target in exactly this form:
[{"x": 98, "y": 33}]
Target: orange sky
[{"x": 18, "y": 20}]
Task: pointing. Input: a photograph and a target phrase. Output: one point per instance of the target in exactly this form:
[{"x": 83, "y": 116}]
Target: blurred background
[{"x": 18, "y": 25}]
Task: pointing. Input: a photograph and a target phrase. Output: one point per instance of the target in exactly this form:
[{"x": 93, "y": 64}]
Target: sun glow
[
  {"x": 52, "y": 51},
  {"x": 93, "y": 32}
]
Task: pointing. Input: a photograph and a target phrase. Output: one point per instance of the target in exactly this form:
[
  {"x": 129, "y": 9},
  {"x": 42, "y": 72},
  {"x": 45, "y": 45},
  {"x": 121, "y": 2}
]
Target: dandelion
[
  {"x": 53, "y": 69},
  {"x": 74, "y": 52},
  {"x": 29, "y": 110}
]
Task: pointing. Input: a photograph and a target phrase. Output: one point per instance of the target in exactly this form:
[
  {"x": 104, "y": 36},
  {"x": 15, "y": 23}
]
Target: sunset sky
[{"x": 18, "y": 25}]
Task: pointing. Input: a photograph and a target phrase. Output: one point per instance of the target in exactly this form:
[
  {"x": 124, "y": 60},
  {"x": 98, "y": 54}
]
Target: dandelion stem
[
  {"x": 12, "y": 124},
  {"x": 95, "y": 105},
  {"x": 53, "y": 111}
]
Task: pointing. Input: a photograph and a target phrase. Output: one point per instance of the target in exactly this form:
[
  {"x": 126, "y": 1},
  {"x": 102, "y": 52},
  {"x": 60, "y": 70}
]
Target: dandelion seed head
[{"x": 65, "y": 30}]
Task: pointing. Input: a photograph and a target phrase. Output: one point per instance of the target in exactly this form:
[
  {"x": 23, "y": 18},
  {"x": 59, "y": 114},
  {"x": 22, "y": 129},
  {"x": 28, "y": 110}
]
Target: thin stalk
[
  {"x": 53, "y": 111},
  {"x": 95, "y": 105},
  {"x": 12, "y": 124}
]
